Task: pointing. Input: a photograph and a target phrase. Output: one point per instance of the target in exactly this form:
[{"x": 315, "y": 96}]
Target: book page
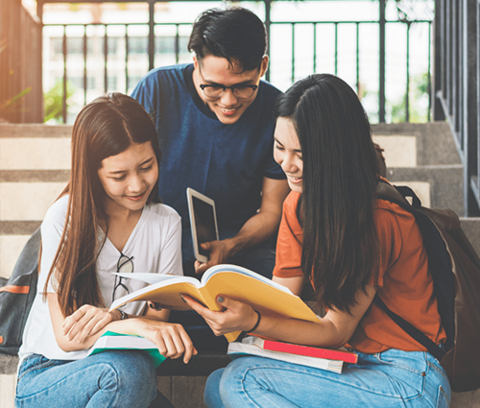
[
  {"x": 165, "y": 293},
  {"x": 262, "y": 294}
]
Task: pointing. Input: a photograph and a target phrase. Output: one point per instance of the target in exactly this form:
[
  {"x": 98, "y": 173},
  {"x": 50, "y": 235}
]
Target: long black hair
[{"x": 340, "y": 243}]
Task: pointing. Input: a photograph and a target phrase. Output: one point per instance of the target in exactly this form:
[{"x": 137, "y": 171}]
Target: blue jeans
[
  {"x": 393, "y": 378},
  {"x": 108, "y": 379}
]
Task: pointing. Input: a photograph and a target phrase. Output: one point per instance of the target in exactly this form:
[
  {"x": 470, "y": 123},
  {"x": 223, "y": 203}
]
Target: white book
[{"x": 247, "y": 347}]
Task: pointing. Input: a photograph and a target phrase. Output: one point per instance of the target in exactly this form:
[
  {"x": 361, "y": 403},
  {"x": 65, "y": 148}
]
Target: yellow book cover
[{"x": 231, "y": 281}]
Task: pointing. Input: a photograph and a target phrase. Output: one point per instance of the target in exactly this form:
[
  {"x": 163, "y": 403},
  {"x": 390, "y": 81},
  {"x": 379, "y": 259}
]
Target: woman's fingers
[
  {"x": 235, "y": 315},
  {"x": 71, "y": 320},
  {"x": 85, "y": 321},
  {"x": 171, "y": 339}
]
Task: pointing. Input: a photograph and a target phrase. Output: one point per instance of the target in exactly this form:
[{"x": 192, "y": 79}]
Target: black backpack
[
  {"x": 455, "y": 268},
  {"x": 17, "y": 295}
]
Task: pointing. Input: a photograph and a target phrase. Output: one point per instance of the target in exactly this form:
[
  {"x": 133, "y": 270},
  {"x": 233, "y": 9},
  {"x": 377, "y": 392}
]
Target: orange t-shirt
[{"x": 404, "y": 282}]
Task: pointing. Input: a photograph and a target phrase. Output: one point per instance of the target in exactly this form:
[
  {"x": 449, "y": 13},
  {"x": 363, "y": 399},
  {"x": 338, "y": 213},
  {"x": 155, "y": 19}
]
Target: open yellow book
[{"x": 231, "y": 281}]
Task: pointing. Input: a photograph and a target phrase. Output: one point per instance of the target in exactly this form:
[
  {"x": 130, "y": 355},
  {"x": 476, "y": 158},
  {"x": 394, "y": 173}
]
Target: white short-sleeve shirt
[{"x": 154, "y": 244}]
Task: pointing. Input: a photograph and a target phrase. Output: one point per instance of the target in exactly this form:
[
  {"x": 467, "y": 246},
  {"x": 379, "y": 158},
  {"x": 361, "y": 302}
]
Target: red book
[{"x": 309, "y": 351}]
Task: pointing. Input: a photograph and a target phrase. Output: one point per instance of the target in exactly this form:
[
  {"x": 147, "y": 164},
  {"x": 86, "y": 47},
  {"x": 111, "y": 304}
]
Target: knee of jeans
[
  {"x": 211, "y": 394},
  {"x": 233, "y": 376},
  {"x": 130, "y": 371}
]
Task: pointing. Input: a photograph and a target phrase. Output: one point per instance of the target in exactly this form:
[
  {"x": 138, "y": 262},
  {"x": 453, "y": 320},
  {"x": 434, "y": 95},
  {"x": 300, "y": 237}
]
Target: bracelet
[
  {"x": 256, "y": 324},
  {"x": 124, "y": 315}
]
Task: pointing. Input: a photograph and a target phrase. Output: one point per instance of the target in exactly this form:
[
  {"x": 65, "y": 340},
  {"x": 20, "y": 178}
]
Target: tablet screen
[{"x": 204, "y": 223}]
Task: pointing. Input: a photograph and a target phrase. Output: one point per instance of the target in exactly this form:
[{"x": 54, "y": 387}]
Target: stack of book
[{"x": 325, "y": 359}]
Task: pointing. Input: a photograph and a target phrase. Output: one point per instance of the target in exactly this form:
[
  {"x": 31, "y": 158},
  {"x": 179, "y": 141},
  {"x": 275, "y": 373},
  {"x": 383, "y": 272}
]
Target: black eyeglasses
[
  {"x": 216, "y": 91},
  {"x": 125, "y": 265},
  {"x": 240, "y": 92}
]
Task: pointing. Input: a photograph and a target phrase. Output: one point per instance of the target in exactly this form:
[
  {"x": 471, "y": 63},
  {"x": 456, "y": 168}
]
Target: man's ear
[
  {"x": 264, "y": 66},
  {"x": 195, "y": 62}
]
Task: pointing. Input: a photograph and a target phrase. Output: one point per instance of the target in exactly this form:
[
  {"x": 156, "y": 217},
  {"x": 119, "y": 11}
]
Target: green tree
[
  {"x": 418, "y": 102},
  {"x": 53, "y": 101}
]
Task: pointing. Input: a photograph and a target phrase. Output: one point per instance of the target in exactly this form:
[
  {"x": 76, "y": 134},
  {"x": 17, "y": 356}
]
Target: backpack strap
[
  {"x": 386, "y": 191},
  {"x": 411, "y": 330}
]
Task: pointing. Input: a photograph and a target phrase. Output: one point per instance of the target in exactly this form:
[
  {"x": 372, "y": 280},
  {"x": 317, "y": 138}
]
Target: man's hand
[
  {"x": 220, "y": 252},
  {"x": 257, "y": 229}
]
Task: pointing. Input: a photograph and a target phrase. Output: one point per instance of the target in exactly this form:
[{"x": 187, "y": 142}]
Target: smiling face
[
  {"x": 212, "y": 70},
  {"x": 128, "y": 178},
  {"x": 288, "y": 153}
]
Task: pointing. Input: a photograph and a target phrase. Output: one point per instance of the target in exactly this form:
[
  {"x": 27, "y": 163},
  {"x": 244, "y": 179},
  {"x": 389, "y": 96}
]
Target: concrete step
[
  {"x": 34, "y": 169},
  {"x": 416, "y": 144},
  {"x": 424, "y": 157},
  {"x": 437, "y": 186}
]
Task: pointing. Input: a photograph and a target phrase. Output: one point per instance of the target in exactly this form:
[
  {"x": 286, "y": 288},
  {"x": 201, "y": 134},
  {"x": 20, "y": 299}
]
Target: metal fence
[
  {"x": 21, "y": 96},
  {"x": 457, "y": 86},
  {"x": 291, "y": 30}
]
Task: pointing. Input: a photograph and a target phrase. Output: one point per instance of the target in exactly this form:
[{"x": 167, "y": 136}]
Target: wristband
[
  {"x": 256, "y": 324},
  {"x": 124, "y": 315}
]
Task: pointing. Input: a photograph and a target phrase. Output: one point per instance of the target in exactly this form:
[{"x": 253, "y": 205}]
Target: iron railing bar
[
  {"x": 105, "y": 54},
  {"x": 314, "y": 48},
  {"x": 407, "y": 93},
  {"x": 126, "y": 58},
  {"x": 381, "y": 87},
  {"x": 64, "y": 99},
  {"x": 177, "y": 44},
  {"x": 357, "y": 56},
  {"x": 268, "y": 23},
  {"x": 429, "y": 75},
  {"x": 293, "y": 52},
  {"x": 151, "y": 34},
  {"x": 336, "y": 49},
  {"x": 85, "y": 64},
  {"x": 272, "y": 22}
]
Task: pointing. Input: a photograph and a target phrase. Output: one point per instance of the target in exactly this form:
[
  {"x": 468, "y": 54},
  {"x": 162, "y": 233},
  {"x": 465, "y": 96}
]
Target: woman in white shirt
[{"x": 108, "y": 219}]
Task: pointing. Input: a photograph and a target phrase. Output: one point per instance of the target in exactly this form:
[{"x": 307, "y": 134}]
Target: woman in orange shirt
[{"x": 336, "y": 236}]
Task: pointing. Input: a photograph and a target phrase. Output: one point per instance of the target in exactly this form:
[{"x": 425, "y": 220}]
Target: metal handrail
[{"x": 292, "y": 24}]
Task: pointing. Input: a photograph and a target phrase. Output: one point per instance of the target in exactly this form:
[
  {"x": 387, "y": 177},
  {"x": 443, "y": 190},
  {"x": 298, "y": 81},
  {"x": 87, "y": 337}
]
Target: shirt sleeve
[
  {"x": 288, "y": 260},
  {"x": 51, "y": 230},
  {"x": 142, "y": 93}
]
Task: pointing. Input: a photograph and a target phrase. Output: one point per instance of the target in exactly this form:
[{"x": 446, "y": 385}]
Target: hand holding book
[
  {"x": 235, "y": 316},
  {"x": 233, "y": 283}
]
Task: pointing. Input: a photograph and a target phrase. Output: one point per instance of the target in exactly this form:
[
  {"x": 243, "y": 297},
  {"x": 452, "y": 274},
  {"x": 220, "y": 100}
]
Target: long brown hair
[
  {"x": 340, "y": 243},
  {"x": 106, "y": 127}
]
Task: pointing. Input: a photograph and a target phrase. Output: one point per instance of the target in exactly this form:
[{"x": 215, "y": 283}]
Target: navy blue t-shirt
[{"x": 225, "y": 162}]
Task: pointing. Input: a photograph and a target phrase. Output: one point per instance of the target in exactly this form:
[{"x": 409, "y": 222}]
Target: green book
[{"x": 116, "y": 341}]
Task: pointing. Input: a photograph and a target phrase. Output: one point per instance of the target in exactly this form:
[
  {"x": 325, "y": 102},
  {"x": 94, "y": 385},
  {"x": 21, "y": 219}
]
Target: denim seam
[
  {"x": 418, "y": 395},
  {"x": 242, "y": 380},
  {"x": 438, "y": 369},
  {"x": 401, "y": 366},
  {"x": 48, "y": 363},
  {"x": 116, "y": 383},
  {"x": 441, "y": 393}
]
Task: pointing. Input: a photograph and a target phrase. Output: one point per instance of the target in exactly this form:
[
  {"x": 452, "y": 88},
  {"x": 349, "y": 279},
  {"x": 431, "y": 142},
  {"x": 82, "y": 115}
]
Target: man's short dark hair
[{"x": 236, "y": 34}]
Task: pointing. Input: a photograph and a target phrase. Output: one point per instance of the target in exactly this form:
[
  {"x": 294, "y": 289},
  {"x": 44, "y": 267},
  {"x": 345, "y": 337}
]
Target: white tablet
[{"x": 203, "y": 222}]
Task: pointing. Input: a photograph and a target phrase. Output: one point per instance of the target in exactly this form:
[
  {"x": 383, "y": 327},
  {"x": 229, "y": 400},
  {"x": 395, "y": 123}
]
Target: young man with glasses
[{"x": 215, "y": 123}]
